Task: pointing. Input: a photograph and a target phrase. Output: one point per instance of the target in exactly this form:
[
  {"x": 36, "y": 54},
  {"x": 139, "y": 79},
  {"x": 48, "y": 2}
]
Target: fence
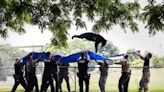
[{"x": 156, "y": 82}]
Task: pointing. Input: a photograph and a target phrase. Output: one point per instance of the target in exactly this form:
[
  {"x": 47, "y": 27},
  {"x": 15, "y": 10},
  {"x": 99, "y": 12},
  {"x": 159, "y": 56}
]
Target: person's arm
[
  {"x": 119, "y": 63},
  {"x": 98, "y": 62},
  {"x": 87, "y": 56},
  {"x": 38, "y": 59},
  {"x": 59, "y": 61},
  {"x": 138, "y": 53}
]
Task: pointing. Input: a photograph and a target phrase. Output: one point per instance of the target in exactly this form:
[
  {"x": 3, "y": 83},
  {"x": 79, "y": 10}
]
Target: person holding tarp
[
  {"x": 63, "y": 74},
  {"x": 18, "y": 76},
  {"x": 103, "y": 74},
  {"x": 55, "y": 60},
  {"x": 47, "y": 74},
  {"x": 126, "y": 72},
  {"x": 146, "y": 72},
  {"x": 83, "y": 68},
  {"x": 31, "y": 73}
]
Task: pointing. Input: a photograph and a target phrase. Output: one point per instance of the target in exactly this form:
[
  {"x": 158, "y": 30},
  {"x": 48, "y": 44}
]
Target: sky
[{"x": 124, "y": 41}]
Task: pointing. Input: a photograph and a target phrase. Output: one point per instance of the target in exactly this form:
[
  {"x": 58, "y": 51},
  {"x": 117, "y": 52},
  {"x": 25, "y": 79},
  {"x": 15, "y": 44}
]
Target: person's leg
[
  {"x": 36, "y": 84},
  {"x": 104, "y": 82},
  {"x": 146, "y": 80},
  {"x": 57, "y": 81},
  {"x": 141, "y": 83},
  {"x": 87, "y": 84},
  {"x": 30, "y": 84},
  {"x": 51, "y": 84},
  {"x": 60, "y": 82},
  {"x": 101, "y": 83},
  {"x": 15, "y": 86},
  {"x": 126, "y": 84},
  {"x": 81, "y": 83},
  {"x": 44, "y": 83},
  {"x": 23, "y": 83},
  {"x": 145, "y": 86},
  {"x": 67, "y": 82},
  {"x": 46, "y": 86},
  {"x": 27, "y": 82},
  {"x": 121, "y": 82}
]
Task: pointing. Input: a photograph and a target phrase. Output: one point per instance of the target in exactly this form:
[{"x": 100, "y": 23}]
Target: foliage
[
  {"x": 77, "y": 45},
  {"x": 158, "y": 61},
  {"x": 153, "y": 15},
  {"x": 59, "y": 15},
  {"x": 12, "y": 52},
  {"x": 109, "y": 49},
  {"x": 7, "y": 57}
]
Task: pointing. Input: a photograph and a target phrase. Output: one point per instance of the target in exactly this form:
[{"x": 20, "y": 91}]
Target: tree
[
  {"x": 59, "y": 15},
  {"x": 74, "y": 46},
  {"x": 109, "y": 49},
  {"x": 7, "y": 58},
  {"x": 157, "y": 61},
  {"x": 153, "y": 15},
  {"x": 12, "y": 52}
]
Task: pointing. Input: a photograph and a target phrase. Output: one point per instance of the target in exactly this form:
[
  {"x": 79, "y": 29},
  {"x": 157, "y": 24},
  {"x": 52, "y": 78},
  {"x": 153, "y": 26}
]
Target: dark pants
[
  {"x": 19, "y": 80},
  {"x": 124, "y": 82},
  {"x": 47, "y": 79},
  {"x": 31, "y": 82},
  {"x": 55, "y": 76},
  {"x": 102, "y": 82},
  {"x": 85, "y": 78},
  {"x": 61, "y": 77}
]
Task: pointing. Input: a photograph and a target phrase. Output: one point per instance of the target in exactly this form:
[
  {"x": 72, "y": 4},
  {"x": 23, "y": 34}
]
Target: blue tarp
[
  {"x": 65, "y": 59},
  {"x": 121, "y": 56},
  {"x": 35, "y": 56},
  {"x": 74, "y": 57},
  {"x": 129, "y": 53},
  {"x": 71, "y": 58},
  {"x": 95, "y": 56}
]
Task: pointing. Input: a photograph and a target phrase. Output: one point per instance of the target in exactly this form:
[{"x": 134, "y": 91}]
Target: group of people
[
  {"x": 51, "y": 72},
  {"x": 125, "y": 77}
]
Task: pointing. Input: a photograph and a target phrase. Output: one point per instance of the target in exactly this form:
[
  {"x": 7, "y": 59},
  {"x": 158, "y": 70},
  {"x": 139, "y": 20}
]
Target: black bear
[{"x": 92, "y": 37}]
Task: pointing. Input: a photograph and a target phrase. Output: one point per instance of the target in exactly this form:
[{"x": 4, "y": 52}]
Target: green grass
[{"x": 156, "y": 83}]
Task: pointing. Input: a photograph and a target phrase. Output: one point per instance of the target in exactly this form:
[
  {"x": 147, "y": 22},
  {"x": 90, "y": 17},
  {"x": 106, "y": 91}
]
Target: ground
[{"x": 156, "y": 83}]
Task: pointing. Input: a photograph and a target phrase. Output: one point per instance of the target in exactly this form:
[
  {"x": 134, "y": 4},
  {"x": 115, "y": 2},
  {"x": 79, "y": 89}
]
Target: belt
[{"x": 126, "y": 71}]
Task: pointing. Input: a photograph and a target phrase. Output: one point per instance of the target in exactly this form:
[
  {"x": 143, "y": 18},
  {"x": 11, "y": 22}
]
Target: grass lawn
[{"x": 156, "y": 83}]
